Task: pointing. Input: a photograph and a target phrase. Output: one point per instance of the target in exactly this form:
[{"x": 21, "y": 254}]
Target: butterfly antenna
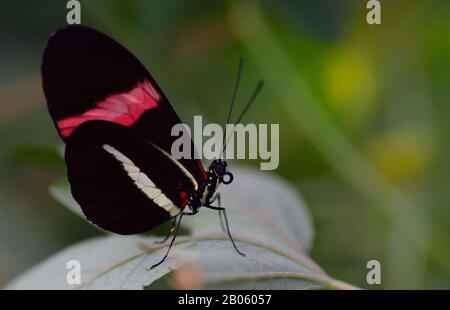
[
  {"x": 250, "y": 102},
  {"x": 255, "y": 94},
  {"x": 233, "y": 97}
]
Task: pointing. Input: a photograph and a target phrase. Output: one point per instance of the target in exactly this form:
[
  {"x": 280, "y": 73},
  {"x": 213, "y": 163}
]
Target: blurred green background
[{"x": 363, "y": 113}]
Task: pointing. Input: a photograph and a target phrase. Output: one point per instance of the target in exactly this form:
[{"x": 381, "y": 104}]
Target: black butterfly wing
[
  {"x": 99, "y": 94},
  {"x": 124, "y": 183},
  {"x": 87, "y": 76}
]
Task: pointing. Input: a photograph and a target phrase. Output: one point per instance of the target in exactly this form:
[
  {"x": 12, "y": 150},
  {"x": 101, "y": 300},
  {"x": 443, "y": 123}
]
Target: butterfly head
[{"x": 219, "y": 169}]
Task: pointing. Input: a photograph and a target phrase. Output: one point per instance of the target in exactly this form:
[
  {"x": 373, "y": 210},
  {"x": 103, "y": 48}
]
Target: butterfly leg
[
  {"x": 168, "y": 234},
  {"x": 173, "y": 238},
  {"x": 221, "y": 209},
  {"x": 217, "y": 197}
]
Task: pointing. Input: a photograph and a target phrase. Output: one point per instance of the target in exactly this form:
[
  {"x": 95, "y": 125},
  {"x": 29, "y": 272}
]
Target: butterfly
[{"x": 116, "y": 124}]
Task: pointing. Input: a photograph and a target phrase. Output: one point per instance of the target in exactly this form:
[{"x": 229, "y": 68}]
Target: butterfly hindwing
[{"x": 123, "y": 183}]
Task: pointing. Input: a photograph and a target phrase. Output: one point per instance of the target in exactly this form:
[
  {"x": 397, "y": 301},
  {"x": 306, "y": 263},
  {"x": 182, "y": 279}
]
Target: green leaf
[
  {"x": 60, "y": 190},
  {"x": 267, "y": 219}
]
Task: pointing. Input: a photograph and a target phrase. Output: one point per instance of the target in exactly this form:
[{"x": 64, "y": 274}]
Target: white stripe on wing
[{"x": 142, "y": 181}]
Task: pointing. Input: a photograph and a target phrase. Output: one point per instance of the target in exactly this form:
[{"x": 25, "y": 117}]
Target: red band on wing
[{"x": 124, "y": 109}]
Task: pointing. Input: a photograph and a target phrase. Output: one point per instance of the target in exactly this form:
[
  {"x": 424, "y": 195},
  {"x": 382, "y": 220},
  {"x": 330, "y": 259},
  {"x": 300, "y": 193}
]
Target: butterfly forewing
[{"x": 116, "y": 123}]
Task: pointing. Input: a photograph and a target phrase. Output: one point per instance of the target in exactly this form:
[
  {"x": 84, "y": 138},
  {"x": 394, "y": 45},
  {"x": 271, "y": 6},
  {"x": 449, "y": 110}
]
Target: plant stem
[{"x": 312, "y": 120}]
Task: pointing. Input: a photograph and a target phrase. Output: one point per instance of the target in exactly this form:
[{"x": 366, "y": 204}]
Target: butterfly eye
[{"x": 227, "y": 180}]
